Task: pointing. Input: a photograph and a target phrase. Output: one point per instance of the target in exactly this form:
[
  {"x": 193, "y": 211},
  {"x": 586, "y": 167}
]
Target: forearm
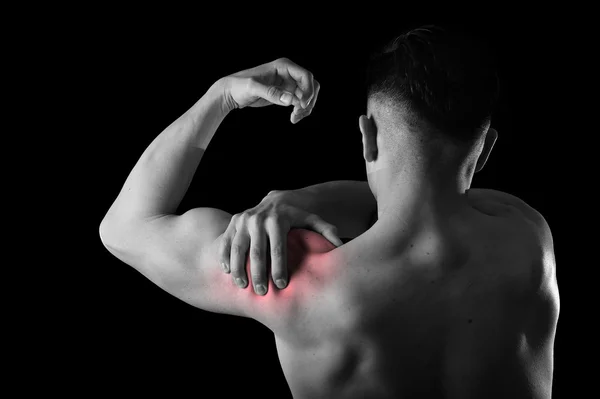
[
  {"x": 347, "y": 204},
  {"x": 162, "y": 175}
]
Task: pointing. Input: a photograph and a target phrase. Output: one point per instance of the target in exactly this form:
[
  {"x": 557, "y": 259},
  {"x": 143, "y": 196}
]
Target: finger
[
  {"x": 304, "y": 100},
  {"x": 298, "y": 114},
  {"x": 313, "y": 100},
  {"x": 308, "y": 99},
  {"x": 278, "y": 243},
  {"x": 298, "y": 93},
  {"x": 258, "y": 258},
  {"x": 327, "y": 230},
  {"x": 303, "y": 77},
  {"x": 273, "y": 94},
  {"x": 239, "y": 248},
  {"x": 225, "y": 246}
]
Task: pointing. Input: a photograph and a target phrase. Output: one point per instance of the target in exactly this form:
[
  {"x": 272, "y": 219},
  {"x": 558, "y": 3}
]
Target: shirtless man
[{"x": 442, "y": 292}]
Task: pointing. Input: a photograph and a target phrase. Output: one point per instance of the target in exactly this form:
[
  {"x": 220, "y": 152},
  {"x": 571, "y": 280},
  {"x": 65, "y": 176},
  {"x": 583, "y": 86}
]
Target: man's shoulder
[
  {"x": 499, "y": 203},
  {"x": 528, "y": 229}
]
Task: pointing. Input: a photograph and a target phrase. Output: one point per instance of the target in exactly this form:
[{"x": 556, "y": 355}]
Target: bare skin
[
  {"x": 450, "y": 293},
  {"x": 450, "y": 310}
]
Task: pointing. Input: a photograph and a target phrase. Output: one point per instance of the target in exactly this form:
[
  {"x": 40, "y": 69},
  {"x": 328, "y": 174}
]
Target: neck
[{"x": 423, "y": 192}]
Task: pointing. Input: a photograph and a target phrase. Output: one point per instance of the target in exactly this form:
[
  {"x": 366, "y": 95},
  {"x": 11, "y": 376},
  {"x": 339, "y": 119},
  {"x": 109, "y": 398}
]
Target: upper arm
[
  {"x": 180, "y": 255},
  {"x": 542, "y": 284},
  {"x": 543, "y": 277},
  {"x": 541, "y": 324},
  {"x": 545, "y": 285},
  {"x": 174, "y": 252}
]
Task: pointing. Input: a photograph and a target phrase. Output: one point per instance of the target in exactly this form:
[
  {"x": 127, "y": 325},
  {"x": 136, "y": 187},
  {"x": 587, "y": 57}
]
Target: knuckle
[
  {"x": 272, "y": 91},
  {"x": 250, "y": 82},
  {"x": 228, "y": 233},
  {"x": 254, "y": 221},
  {"x": 223, "y": 247},
  {"x": 274, "y": 218},
  {"x": 236, "y": 249},
  {"x": 277, "y": 252},
  {"x": 242, "y": 219},
  {"x": 273, "y": 192},
  {"x": 254, "y": 215},
  {"x": 256, "y": 254}
]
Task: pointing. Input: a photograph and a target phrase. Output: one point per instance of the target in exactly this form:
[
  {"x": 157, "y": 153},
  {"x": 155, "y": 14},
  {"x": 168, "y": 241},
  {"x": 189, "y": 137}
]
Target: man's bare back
[{"x": 450, "y": 312}]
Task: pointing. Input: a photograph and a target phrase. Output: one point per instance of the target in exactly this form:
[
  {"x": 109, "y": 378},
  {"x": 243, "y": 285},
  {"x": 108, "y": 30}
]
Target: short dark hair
[{"x": 444, "y": 77}]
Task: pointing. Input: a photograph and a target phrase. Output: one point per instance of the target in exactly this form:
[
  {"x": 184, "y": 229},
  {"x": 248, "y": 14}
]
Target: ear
[
  {"x": 490, "y": 139},
  {"x": 369, "y": 137}
]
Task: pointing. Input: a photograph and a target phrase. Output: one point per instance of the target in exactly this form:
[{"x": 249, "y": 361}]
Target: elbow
[
  {"x": 106, "y": 233},
  {"x": 111, "y": 235},
  {"x": 115, "y": 240}
]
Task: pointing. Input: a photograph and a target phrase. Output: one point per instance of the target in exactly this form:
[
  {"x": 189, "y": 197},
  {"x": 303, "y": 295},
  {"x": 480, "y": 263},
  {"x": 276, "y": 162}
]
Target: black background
[{"x": 136, "y": 75}]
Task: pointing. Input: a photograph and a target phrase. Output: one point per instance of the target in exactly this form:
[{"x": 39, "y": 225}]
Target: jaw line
[{"x": 375, "y": 168}]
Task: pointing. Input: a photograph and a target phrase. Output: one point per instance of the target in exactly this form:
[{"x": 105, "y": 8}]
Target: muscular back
[{"x": 465, "y": 311}]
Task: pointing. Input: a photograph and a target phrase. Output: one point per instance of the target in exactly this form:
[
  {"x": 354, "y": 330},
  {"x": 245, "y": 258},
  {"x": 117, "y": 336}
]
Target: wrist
[
  {"x": 213, "y": 101},
  {"x": 221, "y": 88}
]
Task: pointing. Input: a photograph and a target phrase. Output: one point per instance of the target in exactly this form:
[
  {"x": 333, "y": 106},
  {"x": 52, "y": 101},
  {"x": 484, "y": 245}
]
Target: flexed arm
[
  {"x": 177, "y": 252},
  {"x": 162, "y": 175}
]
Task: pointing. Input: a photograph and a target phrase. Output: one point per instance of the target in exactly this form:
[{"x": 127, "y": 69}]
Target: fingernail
[
  {"x": 224, "y": 266},
  {"x": 286, "y": 98},
  {"x": 260, "y": 289},
  {"x": 241, "y": 283},
  {"x": 280, "y": 283}
]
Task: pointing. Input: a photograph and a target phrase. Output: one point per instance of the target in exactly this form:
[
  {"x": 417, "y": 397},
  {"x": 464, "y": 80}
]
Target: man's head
[{"x": 430, "y": 97}]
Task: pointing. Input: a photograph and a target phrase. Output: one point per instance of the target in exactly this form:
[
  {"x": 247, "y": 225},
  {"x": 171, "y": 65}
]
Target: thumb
[
  {"x": 275, "y": 95},
  {"x": 327, "y": 230}
]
